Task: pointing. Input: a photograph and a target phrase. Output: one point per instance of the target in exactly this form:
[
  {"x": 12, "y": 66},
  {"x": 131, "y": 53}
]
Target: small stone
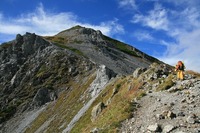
[
  {"x": 168, "y": 128},
  {"x": 132, "y": 120},
  {"x": 191, "y": 119},
  {"x": 95, "y": 130},
  {"x": 154, "y": 128},
  {"x": 183, "y": 100},
  {"x": 149, "y": 91},
  {"x": 181, "y": 114},
  {"x": 171, "y": 104},
  {"x": 158, "y": 99},
  {"x": 160, "y": 116},
  {"x": 171, "y": 115}
]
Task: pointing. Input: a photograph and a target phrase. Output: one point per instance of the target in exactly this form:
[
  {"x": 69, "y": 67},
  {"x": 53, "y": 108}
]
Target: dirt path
[{"x": 174, "y": 112}]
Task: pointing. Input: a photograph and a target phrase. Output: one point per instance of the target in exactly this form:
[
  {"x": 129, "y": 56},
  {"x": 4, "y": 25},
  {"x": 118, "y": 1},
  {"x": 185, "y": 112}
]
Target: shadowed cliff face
[{"x": 33, "y": 71}]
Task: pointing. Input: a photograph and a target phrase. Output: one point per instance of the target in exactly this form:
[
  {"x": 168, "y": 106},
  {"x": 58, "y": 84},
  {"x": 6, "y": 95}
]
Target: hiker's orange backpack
[{"x": 180, "y": 66}]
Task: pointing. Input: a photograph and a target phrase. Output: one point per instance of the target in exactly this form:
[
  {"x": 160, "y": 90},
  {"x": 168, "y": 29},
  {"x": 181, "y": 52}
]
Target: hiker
[{"x": 180, "y": 69}]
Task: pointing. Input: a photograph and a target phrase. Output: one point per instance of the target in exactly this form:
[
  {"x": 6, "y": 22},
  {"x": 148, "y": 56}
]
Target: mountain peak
[
  {"x": 77, "y": 30},
  {"x": 37, "y": 70},
  {"x": 101, "y": 49}
]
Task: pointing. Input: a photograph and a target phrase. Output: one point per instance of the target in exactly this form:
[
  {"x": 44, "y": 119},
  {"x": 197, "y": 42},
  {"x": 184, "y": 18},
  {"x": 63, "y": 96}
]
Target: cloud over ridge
[{"x": 45, "y": 23}]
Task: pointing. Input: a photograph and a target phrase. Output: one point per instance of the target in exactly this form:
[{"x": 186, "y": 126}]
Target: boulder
[
  {"x": 42, "y": 96},
  {"x": 168, "y": 128},
  {"x": 137, "y": 72},
  {"x": 154, "y": 128},
  {"x": 97, "y": 110},
  {"x": 104, "y": 74}
]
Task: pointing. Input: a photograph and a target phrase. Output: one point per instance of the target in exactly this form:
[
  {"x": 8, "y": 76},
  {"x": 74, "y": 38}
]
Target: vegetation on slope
[
  {"x": 60, "y": 112},
  {"x": 121, "y": 46},
  {"x": 61, "y": 42},
  {"x": 120, "y": 108}
]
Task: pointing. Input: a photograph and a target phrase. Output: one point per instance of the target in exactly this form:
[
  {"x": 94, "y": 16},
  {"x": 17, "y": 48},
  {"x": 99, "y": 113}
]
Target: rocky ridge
[
  {"x": 79, "y": 81},
  {"x": 176, "y": 109},
  {"x": 117, "y": 56},
  {"x": 36, "y": 70}
]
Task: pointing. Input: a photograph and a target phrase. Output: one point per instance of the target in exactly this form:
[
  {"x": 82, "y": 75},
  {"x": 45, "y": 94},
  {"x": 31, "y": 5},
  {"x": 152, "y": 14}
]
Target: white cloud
[
  {"x": 194, "y": 3},
  {"x": 143, "y": 36},
  {"x": 190, "y": 18},
  {"x": 39, "y": 22},
  {"x": 112, "y": 27},
  {"x": 46, "y": 23},
  {"x": 186, "y": 31},
  {"x": 127, "y": 4},
  {"x": 181, "y": 23},
  {"x": 156, "y": 18},
  {"x": 186, "y": 49}
]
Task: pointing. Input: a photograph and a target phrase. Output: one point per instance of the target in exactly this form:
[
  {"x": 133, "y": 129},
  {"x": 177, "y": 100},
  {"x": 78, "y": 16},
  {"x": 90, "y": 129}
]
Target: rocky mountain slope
[
  {"x": 173, "y": 108},
  {"x": 82, "y": 81},
  {"x": 100, "y": 49}
]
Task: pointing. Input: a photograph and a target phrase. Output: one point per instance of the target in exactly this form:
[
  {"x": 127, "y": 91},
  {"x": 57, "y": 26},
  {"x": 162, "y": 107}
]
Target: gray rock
[
  {"x": 103, "y": 76},
  {"x": 53, "y": 96},
  {"x": 97, "y": 110},
  {"x": 171, "y": 115},
  {"x": 168, "y": 128},
  {"x": 138, "y": 71},
  {"x": 108, "y": 101},
  {"x": 191, "y": 119},
  {"x": 95, "y": 130},
  {"x": 181, "y": 114},
  {"x": 42, "y": 96},
  {"x": 154, "y": 128},
  {"x": 159, "y": 116},
  {"x": 115, "y": 91}
]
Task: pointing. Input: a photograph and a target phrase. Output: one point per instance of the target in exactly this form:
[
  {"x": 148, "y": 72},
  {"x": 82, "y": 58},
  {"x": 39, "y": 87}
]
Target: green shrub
[{"x": 121, "y": 46}]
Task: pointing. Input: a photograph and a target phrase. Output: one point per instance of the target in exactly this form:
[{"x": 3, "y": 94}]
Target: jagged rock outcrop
[
  {"x": 103, "y": 76},
  {"x": 32, "y": 69}
]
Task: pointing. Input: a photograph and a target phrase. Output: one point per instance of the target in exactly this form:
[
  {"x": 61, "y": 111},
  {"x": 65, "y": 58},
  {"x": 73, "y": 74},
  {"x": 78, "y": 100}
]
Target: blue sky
[{"x": 166, "y": 29}]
